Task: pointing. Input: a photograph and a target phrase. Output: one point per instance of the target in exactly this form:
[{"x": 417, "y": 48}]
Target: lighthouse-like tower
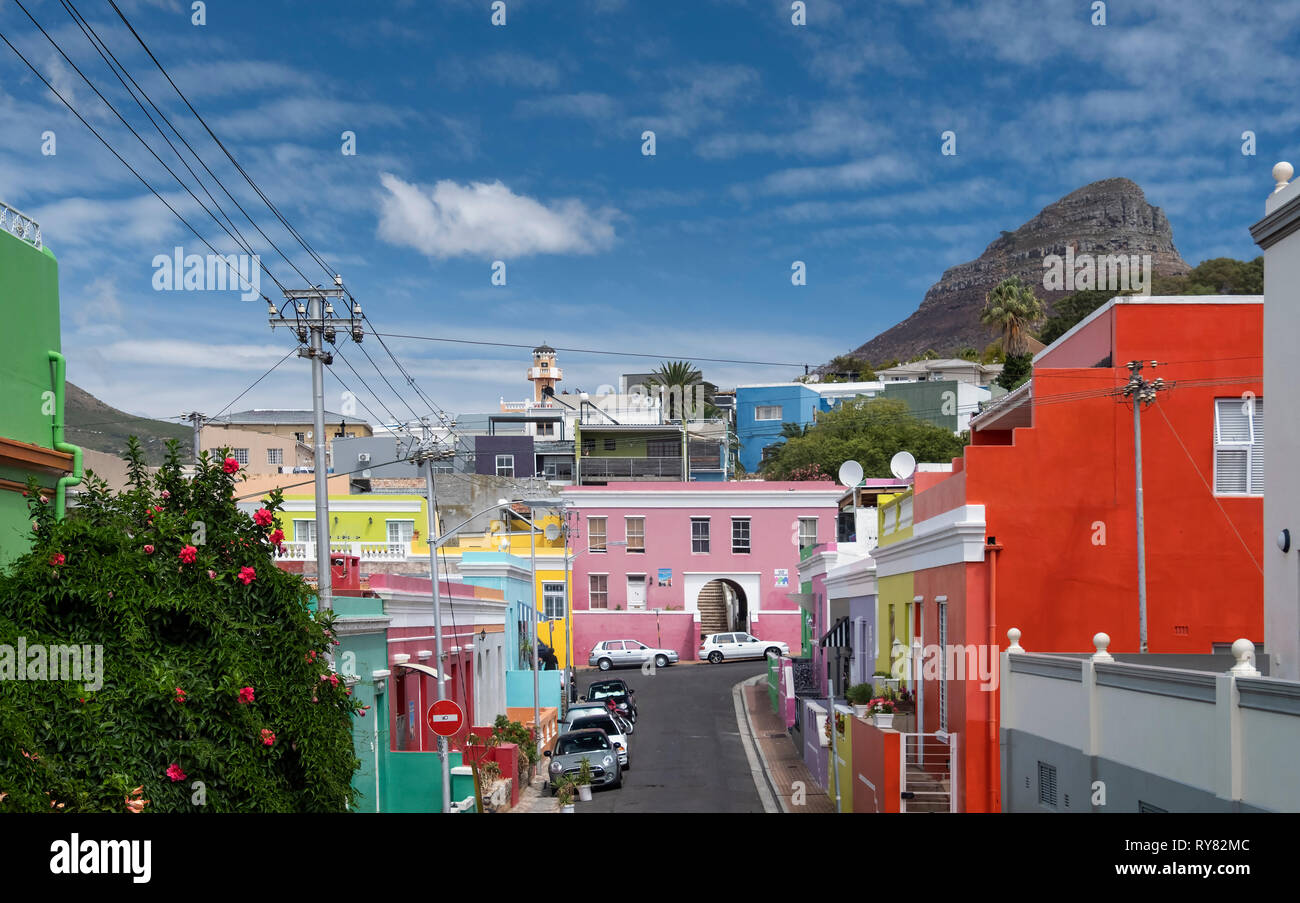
[{"x": 543, "y": 372}]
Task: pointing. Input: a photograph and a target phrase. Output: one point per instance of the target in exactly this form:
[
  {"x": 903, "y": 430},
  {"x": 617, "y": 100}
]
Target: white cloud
[
  {"x": 487, "y": 219},
  {"x": 822, "y": 179}
]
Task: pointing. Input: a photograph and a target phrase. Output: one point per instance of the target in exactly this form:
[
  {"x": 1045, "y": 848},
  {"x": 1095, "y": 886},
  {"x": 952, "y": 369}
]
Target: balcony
[
  {"x": 630, "y": 468},
  {"x": 366, "y": 551},
  {"x": 20, "y": 224}
]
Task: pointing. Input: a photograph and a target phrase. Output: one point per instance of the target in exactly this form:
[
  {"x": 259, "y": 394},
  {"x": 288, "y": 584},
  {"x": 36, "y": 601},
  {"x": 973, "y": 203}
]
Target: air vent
[
  {"x": 363, "y": 458},
  {"x": 1047, "y": 784}
]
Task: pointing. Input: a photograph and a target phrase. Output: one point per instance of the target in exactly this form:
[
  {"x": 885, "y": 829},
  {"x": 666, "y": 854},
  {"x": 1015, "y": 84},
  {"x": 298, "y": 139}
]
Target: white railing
[
  {"x": 928, "y": 778},
  {"x": 20, "y": 224},
  {"x": 366, "y": 551}
]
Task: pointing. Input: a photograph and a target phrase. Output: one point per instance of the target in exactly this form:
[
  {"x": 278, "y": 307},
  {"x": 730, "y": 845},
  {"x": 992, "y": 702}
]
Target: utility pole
[
  {"x": 1141, "y": 392},
  {"x": 315, "y": 323},
  {"x": 197, "y": 420},
  {"x": 426, "y": 454}
]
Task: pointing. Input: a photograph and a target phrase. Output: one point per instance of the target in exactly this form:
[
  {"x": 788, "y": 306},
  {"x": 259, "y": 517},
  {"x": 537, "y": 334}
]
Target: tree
[
  {"x": 676, "y": 381},
  {"x": 794, "y": 430},
  {"x": 212, "y": 690},
  {"x": 869, "y": 431},
  {"x": 1012, "y": 309},
  {"x": 1016, "y": 369}
]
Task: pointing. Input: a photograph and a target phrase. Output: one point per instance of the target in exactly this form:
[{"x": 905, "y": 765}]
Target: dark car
[
  {"x": 591, "y": 744},
  {"x": 624, "y": 697}
]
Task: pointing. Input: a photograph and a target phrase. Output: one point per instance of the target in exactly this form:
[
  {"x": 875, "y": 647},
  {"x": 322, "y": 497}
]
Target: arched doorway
[{"x": 723, "y": 607}]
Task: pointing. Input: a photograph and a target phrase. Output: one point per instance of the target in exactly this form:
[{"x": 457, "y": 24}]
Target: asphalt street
[{"x": 686, "y": 753}]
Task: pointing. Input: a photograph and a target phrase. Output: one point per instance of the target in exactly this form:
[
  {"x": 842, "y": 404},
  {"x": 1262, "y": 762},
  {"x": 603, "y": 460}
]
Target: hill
[{"x": 93, "y": 424}]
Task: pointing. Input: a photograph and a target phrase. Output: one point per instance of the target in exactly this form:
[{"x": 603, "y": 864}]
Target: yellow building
[{"x": 895, "y": 592}]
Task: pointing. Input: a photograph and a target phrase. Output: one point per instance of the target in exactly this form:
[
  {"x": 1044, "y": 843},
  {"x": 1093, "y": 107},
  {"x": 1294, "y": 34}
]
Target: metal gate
[{"x": 928, "y": 782}]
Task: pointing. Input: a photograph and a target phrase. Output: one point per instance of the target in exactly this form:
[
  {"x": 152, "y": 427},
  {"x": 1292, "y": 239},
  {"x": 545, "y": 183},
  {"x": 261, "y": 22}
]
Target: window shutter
[{"x": 1230, "y": 470}]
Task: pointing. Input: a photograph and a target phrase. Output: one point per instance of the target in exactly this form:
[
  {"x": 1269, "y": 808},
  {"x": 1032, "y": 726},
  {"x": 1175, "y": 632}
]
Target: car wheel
[
  {"x": 618, "y": 781},
  {"x": 772, "y": 651},
  {"x": 628, "y": 766},
  {"x": 604, "y": 664},
  {"x": 661, "y": 661},
  {"x": 715, "y": 657}
]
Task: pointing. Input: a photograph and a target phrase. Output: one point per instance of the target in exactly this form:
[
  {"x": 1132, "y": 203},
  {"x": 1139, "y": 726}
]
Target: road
[{"x": 686, "y": 753}]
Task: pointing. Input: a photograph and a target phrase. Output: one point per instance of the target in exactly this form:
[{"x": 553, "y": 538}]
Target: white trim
[
  {"x": 953, "y": 537},
  {"x": 587, "y": 499},
  {"x": 359, "y": 506},
  {"x": 716, "y": 575}
]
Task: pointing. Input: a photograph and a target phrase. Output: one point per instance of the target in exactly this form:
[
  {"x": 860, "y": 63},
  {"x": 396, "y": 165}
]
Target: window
[
  {"x": 611, "y": 444},
  {"x": 767, "y": 412},
  {"x": 1047, "y": 784},
  {"x": 699, "y": 534},
  {"x": 740, "y": 535},
  {"x": 546, "y": 429},
  {"x": 274, "y": 457},
  {"x": 505, "y": 465},
  {"x": 943, "y": 670},
  {"x": 240, "y": 455},
  {"x": 301, "y": 437},
  {"x": 1238, "y": 446},
  {"x": 588, "y": 446},
  {"x": 553, "y": 601},
  {"x": 1147, "y": 807},
  {"x": 443, "y": 467},
  {"x": 304, "y": 530},
  {"x": 807, "y": 532},
  {"x": 636, "y": 534},
  {"x": 595, "y": 534},
  {"x": 598, "y": 590},
  {"x": 663, "y": 448},
  {"x": 401, "y": 532}
]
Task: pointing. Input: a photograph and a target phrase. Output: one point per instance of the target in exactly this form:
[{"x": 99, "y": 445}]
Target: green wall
[{"x": 925, "y": 400}]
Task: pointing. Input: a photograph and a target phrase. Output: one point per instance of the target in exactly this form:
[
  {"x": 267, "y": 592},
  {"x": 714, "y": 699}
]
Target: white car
[
  {"x": 612, "y": 726},
  {"x": 720, "y": 647},
  {"x": 629, "y": 653}
]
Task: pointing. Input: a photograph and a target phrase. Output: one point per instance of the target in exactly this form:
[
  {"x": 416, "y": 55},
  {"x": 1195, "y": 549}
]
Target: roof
[
  {"x": 543, "y": 349},
  {"x": 940, "y": 363},
  {"x": 280, "y": 416}
]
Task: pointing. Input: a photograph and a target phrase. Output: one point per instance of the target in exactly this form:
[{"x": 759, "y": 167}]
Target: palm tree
[
  {"x": 1012, "y": 308},
  {"x": 675, "y": 379}
]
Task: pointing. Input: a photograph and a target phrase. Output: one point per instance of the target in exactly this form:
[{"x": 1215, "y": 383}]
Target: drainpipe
[
  {"x": 72, "y": 479},
  {"x": 994, "y": 772}
]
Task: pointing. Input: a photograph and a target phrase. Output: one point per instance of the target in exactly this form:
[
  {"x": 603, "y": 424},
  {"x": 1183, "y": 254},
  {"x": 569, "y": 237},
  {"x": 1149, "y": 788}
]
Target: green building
[{"x": 32, "y": 373}]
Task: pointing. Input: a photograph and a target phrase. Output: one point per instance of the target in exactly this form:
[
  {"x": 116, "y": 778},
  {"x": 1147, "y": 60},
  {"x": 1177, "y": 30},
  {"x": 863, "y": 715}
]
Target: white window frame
[
  {"x": 627, "y": 534},
  {"x": 1253, "y": 448},
  {"x": 553, "y": 601},
  {"x": 604, "y": 534},
  {"x": 802, "y": 522},
  {"x": 943, "y": 664},
  {"x": 707, "y": 539},
  {"x": 749, "y": 535},
  {"x": 592, "y": 592},
  {"x": 240, "y": 455},
  {"x": 275, "y": 457},
  {"x": 304, "y": 533},
  {"x": 760, "y": 408},
  {"x": 399, "y": 541},
  {"x": 510, "y": 466}
]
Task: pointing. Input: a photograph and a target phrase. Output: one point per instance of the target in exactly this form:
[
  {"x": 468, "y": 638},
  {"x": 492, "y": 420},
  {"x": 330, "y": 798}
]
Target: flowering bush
[
  {"x": 208, "y": 627},
  {"x": 882, "y": 706}
]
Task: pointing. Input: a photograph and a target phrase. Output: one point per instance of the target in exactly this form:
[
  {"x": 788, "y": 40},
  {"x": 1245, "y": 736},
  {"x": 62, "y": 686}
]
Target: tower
[{"x": 544, "y": 372}]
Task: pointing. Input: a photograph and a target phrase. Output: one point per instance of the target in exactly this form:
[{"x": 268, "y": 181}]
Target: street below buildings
[{"x": 686, "y": 753}]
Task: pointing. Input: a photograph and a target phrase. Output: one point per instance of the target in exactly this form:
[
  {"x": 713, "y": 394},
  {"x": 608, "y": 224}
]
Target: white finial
[
  {"x": 1282, "y": 173},
  {"x": 1243, "y": 650},
  {"x": 1102, "y": 641},
  {"x": 1014, "y": 636}
]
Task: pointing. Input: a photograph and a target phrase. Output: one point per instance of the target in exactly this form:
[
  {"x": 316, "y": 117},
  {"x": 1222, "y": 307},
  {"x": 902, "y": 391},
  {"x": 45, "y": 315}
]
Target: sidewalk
[{"x": 786, "y": 773}]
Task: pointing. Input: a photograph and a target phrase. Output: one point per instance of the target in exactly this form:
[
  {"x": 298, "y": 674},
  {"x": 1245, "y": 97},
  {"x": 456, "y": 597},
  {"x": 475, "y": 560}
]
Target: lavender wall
[
  {"x": 486, "y": 449},
  {"x": 815, "y": 756}
]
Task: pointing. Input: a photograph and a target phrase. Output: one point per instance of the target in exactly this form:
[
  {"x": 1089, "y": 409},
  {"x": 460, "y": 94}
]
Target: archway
[{"x": 723, "y": 607}]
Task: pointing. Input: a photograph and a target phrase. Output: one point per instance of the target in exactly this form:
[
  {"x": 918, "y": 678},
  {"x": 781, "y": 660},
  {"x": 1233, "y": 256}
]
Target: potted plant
[
  {"x": 584, "y": 780},
  {"x": 886, "y": 679},
  {"x": 860, "y": 696},
  {"x": 564, "y": 794},
  {"x": 882, "y": 712}
]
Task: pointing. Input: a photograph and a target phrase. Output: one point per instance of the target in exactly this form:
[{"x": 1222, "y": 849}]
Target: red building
[{"x": 1035, "y": 527}]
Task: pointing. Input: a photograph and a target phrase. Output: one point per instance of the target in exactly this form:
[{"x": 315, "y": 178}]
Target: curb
[{"x": 754, "y": 752}]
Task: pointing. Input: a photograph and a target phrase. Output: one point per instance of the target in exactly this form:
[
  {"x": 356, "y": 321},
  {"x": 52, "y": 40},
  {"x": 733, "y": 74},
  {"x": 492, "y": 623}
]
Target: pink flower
[
  {"x": 174, "y": 772},
  {"x": 45, "y": 500},
  {"x": 334, "y": 680},
  {"x": 230, "y": 465},
  {"x": 212, "y": 575},
  {"x": 57, "y": 559},
  {"x": 311, "y": 656},
  {"x": 262, "y": 517},
  {"x": 277, "y": 536},
  {"x": 148, "y": 550},
  {"x": 188, "y": 554},
  {"x": 166, "y": 494},
  {"x": 157, "y": 508},
  {"x": 314, "y": 699},
  {"x": 180, "y": 695},
  {"x": 268, "y": 737},
  {"x": 246, "y": 695},
  {"x": 247, "y": 575}
]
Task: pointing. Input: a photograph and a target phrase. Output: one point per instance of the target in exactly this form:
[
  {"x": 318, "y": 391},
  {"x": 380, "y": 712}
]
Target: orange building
[{"x": 1035, "y": 526}]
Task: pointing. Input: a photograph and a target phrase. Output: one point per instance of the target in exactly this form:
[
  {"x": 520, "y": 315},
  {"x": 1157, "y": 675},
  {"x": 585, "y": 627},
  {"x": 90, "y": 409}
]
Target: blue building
[{"x": 761, "y": 410}]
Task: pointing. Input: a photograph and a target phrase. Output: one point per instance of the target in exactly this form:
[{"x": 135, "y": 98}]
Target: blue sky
[{"x": 522, "y": 143}]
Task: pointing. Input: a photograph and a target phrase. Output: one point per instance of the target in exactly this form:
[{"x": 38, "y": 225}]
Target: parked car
[
  {"x": 719, "y": 647},
  {"x": 624, "y": 696},
  {"x": 596, "y": 708},
  {"x": 612, "y": 726},
  {"x": 594, "y": 746},
  {"x": 628, "y": 653}
]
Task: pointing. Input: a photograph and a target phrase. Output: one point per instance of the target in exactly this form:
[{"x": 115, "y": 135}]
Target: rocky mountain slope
[
  {"x": 93, "y": 424},
  {"x": 1107, "y": 217}
]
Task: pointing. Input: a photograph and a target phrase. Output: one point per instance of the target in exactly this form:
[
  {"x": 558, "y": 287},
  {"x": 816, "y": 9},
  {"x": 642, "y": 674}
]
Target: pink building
[{"x": 666, "y": 563}]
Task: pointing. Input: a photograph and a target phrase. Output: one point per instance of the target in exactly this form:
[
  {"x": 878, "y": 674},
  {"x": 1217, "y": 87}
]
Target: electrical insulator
[
  {"x": 302, "y": 334},
  {"x": 302, "y": 309},
  {"x": 329, "y": 334},
  {"x": 357, "y": 334}
]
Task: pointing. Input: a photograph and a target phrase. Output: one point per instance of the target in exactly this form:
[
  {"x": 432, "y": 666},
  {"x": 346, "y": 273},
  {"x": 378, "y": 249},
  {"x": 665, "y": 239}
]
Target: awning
[
  {"x": 423, "y": 669},
  {"x": 838, "y": 636}
]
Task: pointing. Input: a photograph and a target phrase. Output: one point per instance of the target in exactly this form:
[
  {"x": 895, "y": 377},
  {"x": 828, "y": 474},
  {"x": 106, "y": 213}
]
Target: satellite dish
[
  {"x": 552, "y": 532},
  {"x": 309, "y": 435},
  {"x": 902, "y": 465},
  {"x": 850, "y": 473}
]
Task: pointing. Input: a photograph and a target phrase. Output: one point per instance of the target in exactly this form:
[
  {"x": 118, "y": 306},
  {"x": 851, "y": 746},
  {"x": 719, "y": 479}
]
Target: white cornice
[
  {"x": 416, "y": 610},
  {"x": 955, "y": 536},
  {"x": 701, "y": 500},
  {"x": 352, "y": 506},
  {"x": 857, "y": 577}
]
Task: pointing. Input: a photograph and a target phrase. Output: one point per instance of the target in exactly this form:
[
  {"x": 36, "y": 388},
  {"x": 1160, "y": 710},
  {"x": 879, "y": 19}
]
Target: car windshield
[
  {"x": 567, "y": 744},
  {"x": 605, "y": 723},
  {"x": 605, "y": 693}
]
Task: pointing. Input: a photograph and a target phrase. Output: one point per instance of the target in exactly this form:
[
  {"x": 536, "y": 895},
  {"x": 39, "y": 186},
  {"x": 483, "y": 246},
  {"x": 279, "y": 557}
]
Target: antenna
[
  {"x": 552, "y": 532},
  {"x": 850, "y": 474},
  {"x": 902, "y": 465}
]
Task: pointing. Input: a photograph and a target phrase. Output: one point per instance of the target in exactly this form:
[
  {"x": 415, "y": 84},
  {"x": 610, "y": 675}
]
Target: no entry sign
[{"x": 445, "y": 717}]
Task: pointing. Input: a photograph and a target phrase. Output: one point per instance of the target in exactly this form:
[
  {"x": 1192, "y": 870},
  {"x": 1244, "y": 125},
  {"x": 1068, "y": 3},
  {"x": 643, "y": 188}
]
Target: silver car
[
  {"x": 629, "y": 654},
  {"x": 613, "y": 727},
  {"x": 572, "y": 748}
]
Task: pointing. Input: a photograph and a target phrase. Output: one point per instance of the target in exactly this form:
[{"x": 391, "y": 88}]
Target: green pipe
[{"x": 72, "y": 479}]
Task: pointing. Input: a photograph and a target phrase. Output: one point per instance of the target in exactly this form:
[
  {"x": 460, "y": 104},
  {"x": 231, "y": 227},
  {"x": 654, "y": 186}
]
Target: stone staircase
[
  {"x": 713, "y": 609},
  {"x": 931, "y": 791}
]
